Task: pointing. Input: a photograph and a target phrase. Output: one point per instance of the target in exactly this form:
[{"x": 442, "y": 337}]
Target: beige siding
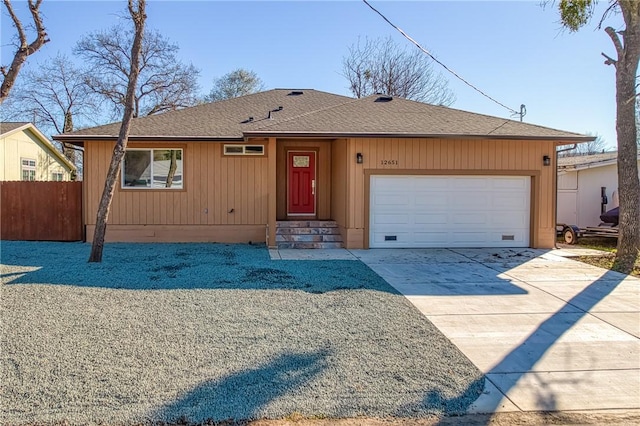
[
  {"x": 339, "y": 189},
  {"x": 23, "y": 144},
  {"x": 450, "y": 156},
  {"x": 214, "y": 185}
]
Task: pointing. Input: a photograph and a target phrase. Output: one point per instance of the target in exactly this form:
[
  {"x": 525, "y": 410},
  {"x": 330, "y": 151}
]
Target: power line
[{"x": 511, "y": 110}]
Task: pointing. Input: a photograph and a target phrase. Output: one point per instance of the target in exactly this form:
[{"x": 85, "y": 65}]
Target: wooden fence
[{"x": 41, "y": 211}]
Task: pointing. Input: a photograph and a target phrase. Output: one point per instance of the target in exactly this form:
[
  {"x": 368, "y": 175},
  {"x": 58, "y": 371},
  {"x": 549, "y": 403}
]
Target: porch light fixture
[
  {"x": 359, "y": 158},
  {"x": 546, "y": 160}
]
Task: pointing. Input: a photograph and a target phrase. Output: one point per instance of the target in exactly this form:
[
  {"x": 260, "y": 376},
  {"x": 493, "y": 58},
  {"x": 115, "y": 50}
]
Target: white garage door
[{"x": 449, "y": 211}]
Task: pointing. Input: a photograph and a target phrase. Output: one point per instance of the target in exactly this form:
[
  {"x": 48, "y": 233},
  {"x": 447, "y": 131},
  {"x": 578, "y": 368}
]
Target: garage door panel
[
  {"x": 392, "y": 219},
  {"x": 506, "y": 220},
  {"x": 464, "y": 238},
  {"x": 450, "y": 211},
  {"x": 392, "y": 200},
  {"x": 509, "y": 182},
  {"x": 392, "y": 238},
  {"x": 431, "y": 219},
  {"x": 430, "y": 239},
  {"x": 468, "y": 219},
  {"x": 469, "y": 183},
  {"x": 510, "y": 202},
  {"x": 434, "y": 199},
  {"x": 466, "y": 201}
]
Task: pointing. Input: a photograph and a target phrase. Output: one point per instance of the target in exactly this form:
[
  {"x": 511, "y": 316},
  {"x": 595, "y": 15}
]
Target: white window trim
[
  {"x": 244, "y": 150},
  {"x": 54, "y": 176},
  {"x": 151, "y": 188},
  {"x": 28, "y": 167}
]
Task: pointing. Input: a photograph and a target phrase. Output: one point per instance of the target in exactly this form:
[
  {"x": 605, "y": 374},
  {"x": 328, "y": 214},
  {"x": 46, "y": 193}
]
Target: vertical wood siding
[
  {"x": 452, "y": 156},
  {"x": 213, "y": 185},
  {"x": 41, "y": 211}
]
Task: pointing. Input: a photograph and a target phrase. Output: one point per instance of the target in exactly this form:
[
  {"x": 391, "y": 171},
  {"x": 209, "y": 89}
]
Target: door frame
[{"x": 288, "y": 151}]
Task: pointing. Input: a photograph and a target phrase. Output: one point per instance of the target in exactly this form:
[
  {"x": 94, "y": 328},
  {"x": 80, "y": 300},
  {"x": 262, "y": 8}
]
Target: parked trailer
[{"x": 571, "y": 233}]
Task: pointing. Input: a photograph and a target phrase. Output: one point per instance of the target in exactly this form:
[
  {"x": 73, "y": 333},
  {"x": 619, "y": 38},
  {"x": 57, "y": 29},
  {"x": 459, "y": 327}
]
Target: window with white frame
[
  {"x": 28, "y": 168},
  {"x": 57, "y": 176},
  {"x": 152, "y": 169},
  {"x": 244, "y": 150}
]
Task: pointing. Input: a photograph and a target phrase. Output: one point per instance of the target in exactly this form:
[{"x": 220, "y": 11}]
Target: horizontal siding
[{"x": 218, "y": 190}]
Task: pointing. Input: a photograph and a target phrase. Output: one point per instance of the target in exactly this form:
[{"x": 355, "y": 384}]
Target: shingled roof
[
  {"x": 589, "y": 161},
  {"x": 286, "y": 112},
  {"x": 9, "y": 126}
]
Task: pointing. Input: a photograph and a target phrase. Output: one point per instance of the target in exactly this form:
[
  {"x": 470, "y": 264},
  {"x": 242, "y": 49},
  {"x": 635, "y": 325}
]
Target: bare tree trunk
[
  {"x": 25, "y": 48},
  {"x": 138, "y": 16},
  {"x": 628, "y": 182},
  {"x": 68, "y": 152}
]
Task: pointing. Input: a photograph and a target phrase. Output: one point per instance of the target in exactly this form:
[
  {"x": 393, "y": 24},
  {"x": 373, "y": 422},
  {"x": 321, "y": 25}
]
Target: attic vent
[
  {"x": 384, "y": 99},
  {"x": 295, "y": 93}
]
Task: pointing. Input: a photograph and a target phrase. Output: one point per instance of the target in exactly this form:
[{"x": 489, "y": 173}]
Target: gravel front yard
[{"x": 190, "y": 332}]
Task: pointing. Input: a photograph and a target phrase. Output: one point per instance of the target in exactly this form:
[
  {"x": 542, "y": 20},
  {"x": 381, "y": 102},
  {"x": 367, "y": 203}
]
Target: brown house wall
[
  {"x": 340, "y": 188},
  {"x": 213, "y": 186},
  {"x": 450, "y": 156}
]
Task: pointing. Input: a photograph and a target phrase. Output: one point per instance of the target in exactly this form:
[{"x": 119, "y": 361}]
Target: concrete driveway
[{"x": 549, "y": 333}]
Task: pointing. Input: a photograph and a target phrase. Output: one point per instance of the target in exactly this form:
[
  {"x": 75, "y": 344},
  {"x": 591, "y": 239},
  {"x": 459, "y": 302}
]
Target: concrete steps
[{"x": 308, "y": 234}]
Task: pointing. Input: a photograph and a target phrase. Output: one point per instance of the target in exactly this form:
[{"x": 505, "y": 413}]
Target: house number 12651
[{"x": 389, "y": 162}]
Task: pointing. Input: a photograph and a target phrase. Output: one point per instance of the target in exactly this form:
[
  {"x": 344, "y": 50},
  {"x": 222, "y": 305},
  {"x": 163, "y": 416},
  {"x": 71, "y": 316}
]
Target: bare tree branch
[
  {"x": 616, "y": 40},
  {"x": 381, "y": 66},
  {"x": 25, "y": 49},
  {"x": 164, "y": 83}
]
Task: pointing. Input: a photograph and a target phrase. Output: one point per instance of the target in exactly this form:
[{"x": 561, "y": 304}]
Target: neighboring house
[
  {"x": 580, "y": 182},
  {"x": 390, "y": 172},
  {"x": 26, "y": 154}
]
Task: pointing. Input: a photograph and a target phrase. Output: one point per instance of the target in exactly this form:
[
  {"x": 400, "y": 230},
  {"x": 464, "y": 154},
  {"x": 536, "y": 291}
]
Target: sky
[{"x": 515, "y": 51}]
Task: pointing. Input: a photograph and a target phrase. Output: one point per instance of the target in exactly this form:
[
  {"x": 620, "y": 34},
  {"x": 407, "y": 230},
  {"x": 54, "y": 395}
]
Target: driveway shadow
[
  {"x": 532, "y": 349},
  {"x": 245, "y": 394},
  {"x": 144, "y": 266}
]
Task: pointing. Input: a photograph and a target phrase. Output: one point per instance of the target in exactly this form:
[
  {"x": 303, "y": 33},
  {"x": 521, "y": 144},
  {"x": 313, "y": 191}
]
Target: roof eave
[
  {"x": 43, "y": 139},
  {"x": 145, "y": 138},
  {"x": 558, "y": 139}
]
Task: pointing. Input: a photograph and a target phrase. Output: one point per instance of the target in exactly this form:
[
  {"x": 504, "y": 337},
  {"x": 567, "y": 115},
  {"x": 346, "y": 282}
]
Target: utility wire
[{"x": 511, "y": 110}]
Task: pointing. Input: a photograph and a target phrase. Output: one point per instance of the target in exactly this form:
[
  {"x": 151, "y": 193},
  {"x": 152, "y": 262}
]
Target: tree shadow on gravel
[
  {"x": 138, "y": 266},
  {"x": 244, "y": 395}
]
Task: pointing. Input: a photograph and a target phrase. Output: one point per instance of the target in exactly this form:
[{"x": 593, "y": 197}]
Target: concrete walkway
[{"x": 551, "y": 334}]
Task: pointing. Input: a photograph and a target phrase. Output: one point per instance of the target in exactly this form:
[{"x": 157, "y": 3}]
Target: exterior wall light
[
  {"x": 546, "y": 160},
  {"x": 359, "y": 158}
]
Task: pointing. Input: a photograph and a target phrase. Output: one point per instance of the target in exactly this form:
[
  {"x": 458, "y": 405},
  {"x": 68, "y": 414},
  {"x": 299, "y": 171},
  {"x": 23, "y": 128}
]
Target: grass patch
[{"x": 607, "y": 245}]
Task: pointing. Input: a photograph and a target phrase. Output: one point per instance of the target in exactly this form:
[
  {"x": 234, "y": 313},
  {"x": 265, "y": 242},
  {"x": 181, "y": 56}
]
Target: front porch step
[{"x": 308, "y": 234}]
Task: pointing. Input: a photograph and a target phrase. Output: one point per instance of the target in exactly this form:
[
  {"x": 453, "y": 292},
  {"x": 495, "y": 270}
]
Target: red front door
[{"x": 301, "y": 183}]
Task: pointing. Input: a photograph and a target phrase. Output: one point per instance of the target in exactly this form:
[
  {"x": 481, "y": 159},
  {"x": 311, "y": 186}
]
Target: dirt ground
[
  {"x": 502, "y": 419},
  {"x": 613, "y": 417}
]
